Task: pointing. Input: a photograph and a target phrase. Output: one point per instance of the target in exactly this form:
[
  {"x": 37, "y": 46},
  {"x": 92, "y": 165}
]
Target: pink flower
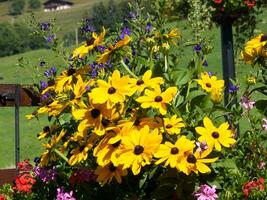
[
  {"x": 206, "y": 192},
  {"x": 246, "y": 103},
  {"x": 264, "y": 125},
  {"x": 261, "y": 165},
  {"x": 202, "y": 146}
]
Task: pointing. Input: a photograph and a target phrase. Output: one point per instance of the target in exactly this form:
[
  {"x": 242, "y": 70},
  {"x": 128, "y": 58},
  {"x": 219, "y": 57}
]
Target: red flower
[
  {"x": 2, "y": 197},
  {"x": 250, "y": 3},
  {"x": 24, "y": 182},
  {"x": 217, "y": 1},
  {"x": 248, "y": 186}
]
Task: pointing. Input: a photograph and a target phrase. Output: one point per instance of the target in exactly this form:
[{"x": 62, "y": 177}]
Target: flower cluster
[
  {"x": 251, "y": 185},
  {"x": 24, "y": 180},
  {"x": 206, "y": 192}
]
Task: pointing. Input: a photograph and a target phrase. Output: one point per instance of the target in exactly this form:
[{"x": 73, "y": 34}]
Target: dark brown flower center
[
  {"x": 82, "y": 148},
  {"x": 174, "y": 150},
  {"x": 263, "y": 38},
  {"x": 51, "y": 82},
  {"x": 140, "y": 82},
  {"x": 191, "y": 159},
  {"x": 138, "y": 149},
  {"x": 46, "y": 129},
  {"x": 71, "y": 71},
  {"x": 111, "y": 90},
  {"x": 112, "y": 168},
  {"x": 215, "y": 135},
  {"x": 105, "y": 122},
  {"x": 169, "y": 126},
  {"x": 208, "y": 85},
  {"x": 95, "y": 113},
  {"x": 137, "y": 122},
  {"x": 90, "y": 42},
  {"x": 115, "y": 145},
  {"x": 158, "y": 99}
]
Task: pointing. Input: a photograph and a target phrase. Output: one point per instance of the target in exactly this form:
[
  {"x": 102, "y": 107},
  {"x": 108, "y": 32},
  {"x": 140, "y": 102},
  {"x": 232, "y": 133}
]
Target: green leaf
[
  {"x": 261, "y": 106},
  {"x": 180, "y": 77}
]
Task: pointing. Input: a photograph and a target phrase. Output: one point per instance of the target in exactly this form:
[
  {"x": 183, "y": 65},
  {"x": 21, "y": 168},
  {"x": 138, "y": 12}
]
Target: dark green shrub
[
  {"x": 16, "y": 7},
  {"x": 34, "y": 4}
]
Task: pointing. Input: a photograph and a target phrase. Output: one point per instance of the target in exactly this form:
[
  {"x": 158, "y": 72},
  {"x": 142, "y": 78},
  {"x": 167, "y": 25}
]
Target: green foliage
[
  {"x": 34, "y": 4},
  {"x": 15, "y": 39},
  {"x": 17, "y": 7}
]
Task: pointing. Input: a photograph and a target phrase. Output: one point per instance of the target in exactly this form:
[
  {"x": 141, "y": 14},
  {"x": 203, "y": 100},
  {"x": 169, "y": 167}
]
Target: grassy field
[{"x": 12, "y": 73}]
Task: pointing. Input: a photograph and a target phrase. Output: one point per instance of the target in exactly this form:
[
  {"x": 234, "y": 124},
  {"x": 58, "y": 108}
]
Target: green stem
[
  {"x": 165, "y": 63},
  {"x": 61, "y": 155},
  {"x": 128, "y": 70}
]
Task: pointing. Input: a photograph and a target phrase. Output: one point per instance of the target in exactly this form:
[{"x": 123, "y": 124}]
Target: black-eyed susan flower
[
  {"x": 196, "y": 162},
  {"x": 105, "y": 151},
  {"x": 171, "y": 154},
  {"x": 138, "y": 149},
  {"x": 105, "y": 174},
  {"x": 254, "y": 49},
  {"x": 157, "y": 99},
  {"x": 95, "y": 116},
  {"x": 111, "y": 92},
  {"x": 80, "y": 153},
  {"x": 146, "y": 82},
  {"x": 105, "y": 56},
  {"x": 208, "y": 83},
  {"x": 96, "y": 40},
  {"x": 173, "y": 125},
  {"x": 215, "y": 137}
]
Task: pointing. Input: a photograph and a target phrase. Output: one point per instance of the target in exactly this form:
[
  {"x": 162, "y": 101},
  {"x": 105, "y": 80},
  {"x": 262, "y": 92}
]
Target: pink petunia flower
[
  {"x": 206, "y": 192},
  {"x": 246, "y": 103}
]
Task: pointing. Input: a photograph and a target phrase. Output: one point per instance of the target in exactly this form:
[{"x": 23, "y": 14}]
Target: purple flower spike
[
  {"x": 46, "y": 174},
  {"x": 100, "y": 48},
  {"x": 197, "y": 48},
  {"x": 125, "y": 31},
  {"x": 205, "y": 63},
  {"x": 206, "y": 192},
  {"x": 233, "y": 89},
  {"x": 50, "y": 38},
  {"x": 43, "y": 85},
  {"x": 42, "y": 64},
  {"x": 149, "y": 27},
  {"x": 44, "y": 26}
]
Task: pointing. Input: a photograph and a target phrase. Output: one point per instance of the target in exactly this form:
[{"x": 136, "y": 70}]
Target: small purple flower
[
  {"x": 133, "y": 15},
  {"x": 264, "y": 125},
  {"x": 50, "y": 38},
  {"x": 211, "y": 73},
  {"x": 206, "y": 192},
  {"x": 197, "y": 48},
  {"x": 44, "y": 26},
  {"x": 46, "y": 174},
  {"x": 100, "y": 48},
  {"x": 37, "y": 160},
  {"x": 202, "y": 146},
  {"x": 88, "y": 28},
  {"x": 125, "y": 31},
  {"x": 45, "y": 96},
  {"x": 246, "y": 103},
  {"x": 43, "y": 85},
  {"x": 149, "y": 27},
  {"x": 205, "y": 63},
  {"x": 62, "y": 195},
  {"x": 134, "y": 52},
  {"x": 87, "y": 88},
  {"x": 233, "y": 89},
  {"x": 42, "y": 64},
  {"x": 50, "y": 72}
]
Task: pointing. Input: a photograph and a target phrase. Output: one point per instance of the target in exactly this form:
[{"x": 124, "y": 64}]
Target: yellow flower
[
  {"x": 146, "y": 82},
  {"x": 88, "y": 46},
  {"x": 108, "y": 172},
  {"x": 80, "y": 153},
  {"x": 95, "y": 116},
  {"x": 104, "y": 57},
  {"x": 196, "y": 162},
  {"x": 157, "y": 99},
  {"x": 215, "y": 137},
  {"x": 251, "y": 80},
  {"x": 216, "y": 95},
  {"x": 138, "y": 149},
  {"x": 172, "y": 154},
  {"x": 209, "y": 82},
  {"x": 112, "y": 92},
  {"x": 254, "y": 49},
  {"x": 173, "y": 125},
  {"x": 53, "y": 109},
  {"x": 105, "y": 151}
]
